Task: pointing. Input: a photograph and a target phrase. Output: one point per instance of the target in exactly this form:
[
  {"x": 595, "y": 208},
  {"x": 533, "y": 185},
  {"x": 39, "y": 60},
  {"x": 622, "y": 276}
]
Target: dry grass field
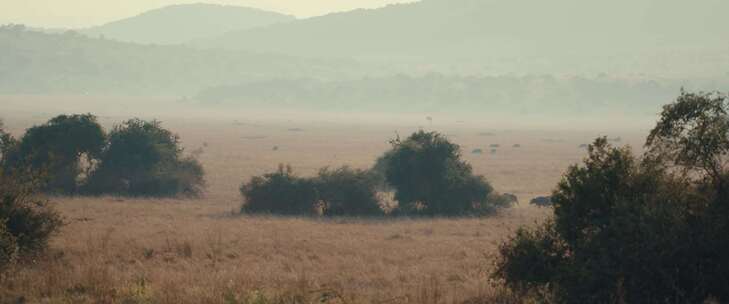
[{"x": 119, "y": 250}]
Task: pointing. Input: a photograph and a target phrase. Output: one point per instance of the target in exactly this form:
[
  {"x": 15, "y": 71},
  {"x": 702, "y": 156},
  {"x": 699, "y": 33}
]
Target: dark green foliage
[
  {"x": 348, "y": 192},
  {"x": 337, "y": 192},
  {"x": 281, "y": 193},
  {"x": 144, "y": 159},
  {"x": 379, "y": 172},
  {"x": 57, "y": 149},
  {"x": 7, "y": 143},
  {"x": 635, "y": 230},
  {"x": 8, "y": 248},
  {"x": 430, "y": 178},
  {"x": 26, "y": 222},
  {"x": 532, "y": 258}
]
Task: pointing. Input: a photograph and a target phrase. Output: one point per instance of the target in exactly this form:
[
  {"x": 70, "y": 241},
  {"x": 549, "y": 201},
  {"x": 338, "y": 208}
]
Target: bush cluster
[
  {"x": 627, "y": 229},
  {"x": 280, "y": 192},
  {"x": 137, "y": 158},
  {"x": 338, "y": 192},
  {"x": 425, "y": 171}
]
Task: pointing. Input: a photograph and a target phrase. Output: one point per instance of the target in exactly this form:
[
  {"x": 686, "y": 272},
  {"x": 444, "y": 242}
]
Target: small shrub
[
  {"x": 8, "y": 247},
  {"x": 26, "y": 222},
  {"x": 281, "y": 193},
  {"x": 495, "y": 201},
  {"x": 531, "y": 258},
  {"x": 348, "y": 192}
]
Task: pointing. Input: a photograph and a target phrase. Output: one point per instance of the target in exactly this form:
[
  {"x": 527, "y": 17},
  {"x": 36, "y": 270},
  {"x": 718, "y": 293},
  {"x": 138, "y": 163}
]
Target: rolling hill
[
  {"x": 182, "y": 23},
  {"x": 565, "y": 34},
  {"x": 69, "y": 63}
]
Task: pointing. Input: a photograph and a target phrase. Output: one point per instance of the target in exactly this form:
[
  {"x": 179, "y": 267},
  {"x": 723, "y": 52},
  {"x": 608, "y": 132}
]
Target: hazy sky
[{"x": 80, "y": 13}]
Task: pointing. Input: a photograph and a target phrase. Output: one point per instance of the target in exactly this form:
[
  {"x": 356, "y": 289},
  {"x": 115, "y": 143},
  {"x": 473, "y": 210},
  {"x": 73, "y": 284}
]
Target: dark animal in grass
[{"x": 542, "y": 201}]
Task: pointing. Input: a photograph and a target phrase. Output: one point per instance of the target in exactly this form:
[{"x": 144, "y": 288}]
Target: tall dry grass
[
  {"x": 142, "y": 251},
  {"x": 116, "y": 250}
]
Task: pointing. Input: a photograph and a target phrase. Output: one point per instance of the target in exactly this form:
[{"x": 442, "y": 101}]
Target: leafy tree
[
  {"x": 57, "y": 149},
  {"x": 379, "y": 172},
  {"x": 7, "y": 142},
  {"x": 636, "y": 230},
  {"x": 430, "y": 178},
  {"x": 348, "y": 192},
  {"x": 144, "y": 159},
  {"x": 281, "y": 193},
  {"x": 693, "y": 135}
]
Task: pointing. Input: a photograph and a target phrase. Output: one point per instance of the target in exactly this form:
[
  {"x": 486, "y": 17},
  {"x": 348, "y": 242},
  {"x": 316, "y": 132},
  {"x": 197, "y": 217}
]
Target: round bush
[
  {"x": 56, "y": 148},
  {"x": 348, "y": 192},
  {"x": 26, "y": 222},
  {"x": 144, "y": 159},
  {"x": 280, "y": 193},
  {"x": 430, "y": 178}
]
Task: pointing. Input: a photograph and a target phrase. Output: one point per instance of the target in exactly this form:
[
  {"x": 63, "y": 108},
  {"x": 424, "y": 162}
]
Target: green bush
[
  {"x": 430, "y": 178},
  {"x": 280, "y": 193},
  {"x": 144, "y": 159},
  {"x": 7, "y": 142},
  {"x": 379, "y": 172},
  {"x": 57, "y": 148},
  {"x": 347, "y": 192},
  {"x": 637, "y": 230},
  {"x": 26, "y": 222}
]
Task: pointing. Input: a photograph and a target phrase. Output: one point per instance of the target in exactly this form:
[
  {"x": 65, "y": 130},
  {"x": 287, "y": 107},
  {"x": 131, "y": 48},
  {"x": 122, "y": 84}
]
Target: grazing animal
[{"x": 542, "y": 201}]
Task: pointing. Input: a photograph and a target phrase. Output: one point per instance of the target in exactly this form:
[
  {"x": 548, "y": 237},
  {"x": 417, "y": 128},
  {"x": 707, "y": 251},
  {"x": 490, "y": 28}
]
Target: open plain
[{"x": 121, "y": 250}]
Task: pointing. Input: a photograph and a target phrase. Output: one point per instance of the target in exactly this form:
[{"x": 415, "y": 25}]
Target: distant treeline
[
  {"x": 69, "y": 63},
  {"x": 514, "y": 94}
]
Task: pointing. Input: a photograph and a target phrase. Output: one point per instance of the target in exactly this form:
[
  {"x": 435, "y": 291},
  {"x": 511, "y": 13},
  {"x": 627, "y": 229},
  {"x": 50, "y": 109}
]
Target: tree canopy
[
  {"x": 629, "y": 229},
  {"x": 430, "y": 178}
]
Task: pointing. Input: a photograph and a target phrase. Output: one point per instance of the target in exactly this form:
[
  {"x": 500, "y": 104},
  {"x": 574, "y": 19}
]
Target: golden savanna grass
[{"x": 120, "y": 250}]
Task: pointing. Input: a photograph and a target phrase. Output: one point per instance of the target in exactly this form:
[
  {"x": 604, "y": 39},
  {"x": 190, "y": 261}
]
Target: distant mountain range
[
  {"x": 179, "y": 24},
  {"x": 568, "y": 34},
  {"x": 517, "y": 56},
  {"x": 69, "y": 63}
]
